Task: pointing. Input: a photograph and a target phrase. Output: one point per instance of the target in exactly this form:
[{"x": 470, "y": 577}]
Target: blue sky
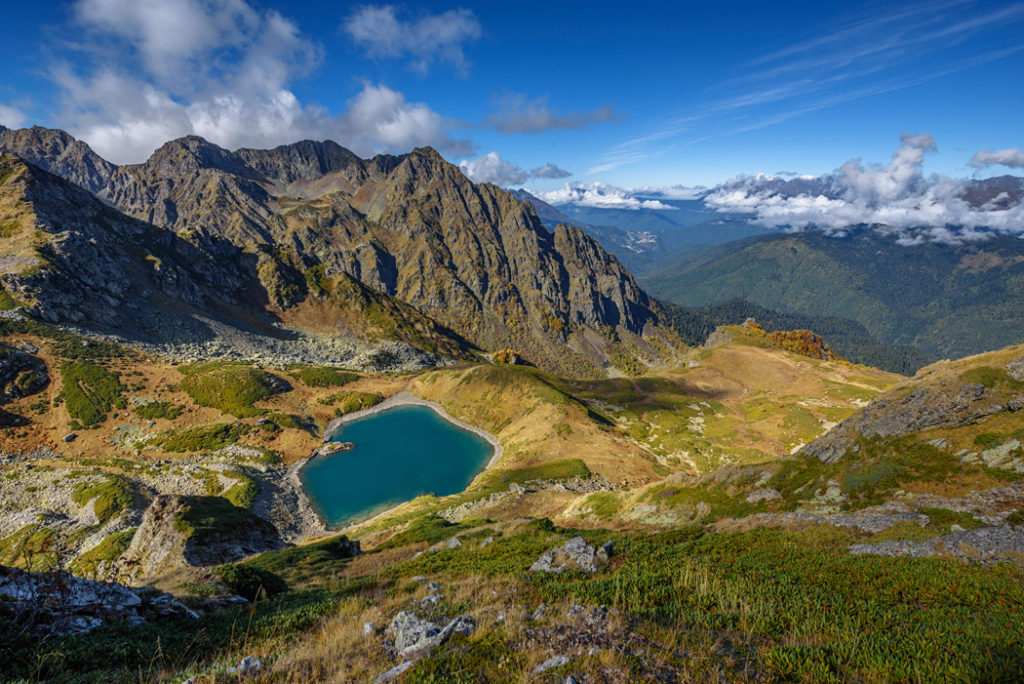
[{"x": 629, "y": 94}]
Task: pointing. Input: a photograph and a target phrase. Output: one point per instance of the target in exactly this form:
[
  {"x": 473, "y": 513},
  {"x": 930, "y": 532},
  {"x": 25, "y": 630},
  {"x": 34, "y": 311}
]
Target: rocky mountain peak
[
  {"x": 192, "y": 153},
  {"x": 304, "y": 160},
  {"x": 60, "y": 153}
]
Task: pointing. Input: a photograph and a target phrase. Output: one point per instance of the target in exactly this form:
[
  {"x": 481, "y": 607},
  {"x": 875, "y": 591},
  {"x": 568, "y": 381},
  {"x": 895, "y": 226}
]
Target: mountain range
[{"x": 310, "y": 236}]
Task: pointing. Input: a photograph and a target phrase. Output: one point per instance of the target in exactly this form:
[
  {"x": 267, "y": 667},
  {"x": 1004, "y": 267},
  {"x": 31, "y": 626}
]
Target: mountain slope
[
  {"x": 412, "y": 227},
  {"x": 947, "y": 299}
]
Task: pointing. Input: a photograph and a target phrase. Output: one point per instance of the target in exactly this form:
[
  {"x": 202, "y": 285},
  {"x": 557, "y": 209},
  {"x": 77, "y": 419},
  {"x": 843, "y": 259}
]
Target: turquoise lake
[{"x": 400, "y": 453}]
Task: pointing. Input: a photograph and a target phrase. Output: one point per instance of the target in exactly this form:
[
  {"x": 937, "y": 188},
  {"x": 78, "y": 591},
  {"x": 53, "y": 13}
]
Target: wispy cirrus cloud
[
  {"x": 430, "y": 38},
  {"x": 862, "y": 57}
]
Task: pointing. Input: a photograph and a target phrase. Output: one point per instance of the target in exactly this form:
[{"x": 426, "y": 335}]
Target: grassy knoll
[{"x": 228, "y": 386}]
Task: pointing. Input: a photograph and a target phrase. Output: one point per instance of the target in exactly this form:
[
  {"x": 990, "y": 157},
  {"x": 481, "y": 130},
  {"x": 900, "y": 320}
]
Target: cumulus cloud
[
  {"x": 549, "y": 170},
  {"x": 519, "y": 115},
  {"x": 895, "y": 196},
  {"x": 12, "y": 117},
  {"x": 1011, "y": 156},
  {"x": 132, "y": 85},
  {"x": 434, "y": 37},
  {"x": 491, "y": 168},
  {"x": 600, "y": 196}
]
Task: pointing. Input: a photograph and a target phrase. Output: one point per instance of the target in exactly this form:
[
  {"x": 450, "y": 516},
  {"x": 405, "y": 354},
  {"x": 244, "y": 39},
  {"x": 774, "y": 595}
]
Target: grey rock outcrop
[
  {"x": 414, "y": 637},
  {"x": 982, "y": 545},
  {"x": 163, "y": 543},
  {"x": 574, "y": 553},
  {"x": 924, "y": 408},
  {"x": 59, "y": 603}
]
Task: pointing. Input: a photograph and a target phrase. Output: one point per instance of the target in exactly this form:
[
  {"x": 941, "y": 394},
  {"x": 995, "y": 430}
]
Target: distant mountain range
[
  {"x": 310, "y": 235},
  {"x": 948, "y": 299}
]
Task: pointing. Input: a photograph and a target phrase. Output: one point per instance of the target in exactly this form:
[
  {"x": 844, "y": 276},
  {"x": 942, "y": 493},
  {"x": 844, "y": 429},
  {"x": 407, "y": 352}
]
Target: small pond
[{"x": 399, "y": 454}]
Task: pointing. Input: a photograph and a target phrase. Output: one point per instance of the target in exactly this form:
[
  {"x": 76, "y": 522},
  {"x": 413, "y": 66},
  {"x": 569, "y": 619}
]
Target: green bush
[
  {"x": 199, "y": 438},
  {"x": 89, "y": 391},
  {"x": 251, "y": 582},
  {"x": 159, "y": 409},
  {"x": 323, "y": 376},
  {"x": 229, "y": 387}
]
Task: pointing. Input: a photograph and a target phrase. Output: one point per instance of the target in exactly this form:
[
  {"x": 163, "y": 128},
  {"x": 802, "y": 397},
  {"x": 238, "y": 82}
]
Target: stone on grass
[
  {"x": 551, "y": 663},
  {"x": 574, "y": 553}
]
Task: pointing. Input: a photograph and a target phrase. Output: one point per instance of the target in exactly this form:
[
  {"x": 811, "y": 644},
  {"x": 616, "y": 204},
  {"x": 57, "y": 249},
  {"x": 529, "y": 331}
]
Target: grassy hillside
[{"x": 949, "y": 300}]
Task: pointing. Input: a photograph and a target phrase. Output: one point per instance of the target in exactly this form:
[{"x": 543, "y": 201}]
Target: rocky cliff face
[
  {"x": 181, "y": 531},
  {"x": 301, "y": 219}
]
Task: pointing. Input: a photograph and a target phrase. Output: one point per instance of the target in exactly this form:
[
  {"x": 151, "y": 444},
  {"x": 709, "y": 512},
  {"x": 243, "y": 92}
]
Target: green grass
[
  {"x": 112, "y": 496},
  {"x": 244, "y": 493},
  {"x": 310, "y": 562},
  {"x": 561, "y": 469},
  {"x": 991, "y": 378},
  {"x": 89, "y": 391},
  {"x": 200, "y": 438},
  {"x": 159, "y": 409},
  {"x": 323, "y": 376},
  {"x": 251, "y": 582},
  {"x": 229, "y": 387},
  {"x": 110, "y": 549},
  {"x": 811, "y": 611},
  {"x": 430, "y": 529}
]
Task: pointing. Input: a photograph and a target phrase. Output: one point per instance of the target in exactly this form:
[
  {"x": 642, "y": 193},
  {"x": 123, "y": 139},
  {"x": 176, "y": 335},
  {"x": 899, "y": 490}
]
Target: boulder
[
  {"x": 574, "y": 553},
  {"x": 415, "y": 637}
]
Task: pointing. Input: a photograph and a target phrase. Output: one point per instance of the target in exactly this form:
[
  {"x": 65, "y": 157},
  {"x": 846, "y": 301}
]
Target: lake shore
[{"x": 394, "y": 401}]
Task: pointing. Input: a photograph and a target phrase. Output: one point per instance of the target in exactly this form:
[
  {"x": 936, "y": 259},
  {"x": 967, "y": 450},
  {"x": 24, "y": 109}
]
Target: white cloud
[
  {"x": 600, "y": 196},
  {"x": 896, "y": 196},
  {"x": 517, "y": 115},
  {"x": 12, "y": 117},
  {"x": 549, "y": 170},
  {"x": 438, "y": 37},
  {"x": 491, "y": 168},
  {"x": 1012, "y": 156},
  {"x": 670, "y": 192},
  {"x": 129, "y": 88}
]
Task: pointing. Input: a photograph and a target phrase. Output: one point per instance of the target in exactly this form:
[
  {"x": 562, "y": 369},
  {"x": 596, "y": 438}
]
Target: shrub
[
  {"x": 159, "y": 409},
  {"x": 251, "y": 582},
  {"x": 89, "y": 391},
  {"x": 199, "y": 438}
]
